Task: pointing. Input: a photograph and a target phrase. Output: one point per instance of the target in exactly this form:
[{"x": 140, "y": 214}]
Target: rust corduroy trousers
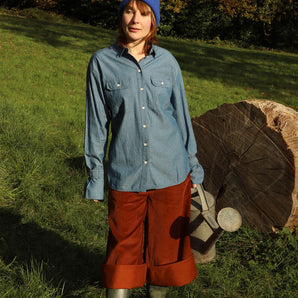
[{"x": 163, "y": 257}]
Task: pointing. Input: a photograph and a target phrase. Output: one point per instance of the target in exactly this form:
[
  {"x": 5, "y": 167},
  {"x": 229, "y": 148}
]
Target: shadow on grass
[
  {"x": 271, "y": 74},
  {"x": 62, "y": 260},
  {"x": 59, "y": 35},
  {"x": 78, "y": 163}
]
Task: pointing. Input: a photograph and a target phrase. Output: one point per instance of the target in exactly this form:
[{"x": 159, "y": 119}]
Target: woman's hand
[{"x": 95, "y": 201}]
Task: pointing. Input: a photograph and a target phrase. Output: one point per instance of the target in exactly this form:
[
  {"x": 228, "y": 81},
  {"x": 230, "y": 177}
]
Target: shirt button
[
  {"x": 139, "y": 70},
  {"x": 144, "y": 125},
  {"x": 141, "y": 89},
  {"x": 143, "y": 108},
  {"x": 162, "y": 83},
  {"x": 145, "y": 162},
  {"x": 145, "y": 144},
  {"x": 118, "y": 85}
]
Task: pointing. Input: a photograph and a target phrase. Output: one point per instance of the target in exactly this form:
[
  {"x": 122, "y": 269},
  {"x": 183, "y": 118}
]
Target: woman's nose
[{"x": 136, "y": 17}]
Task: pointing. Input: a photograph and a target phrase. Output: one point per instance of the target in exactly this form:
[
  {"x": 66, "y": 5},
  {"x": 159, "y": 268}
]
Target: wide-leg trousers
[{"x": 149, "y": 238}]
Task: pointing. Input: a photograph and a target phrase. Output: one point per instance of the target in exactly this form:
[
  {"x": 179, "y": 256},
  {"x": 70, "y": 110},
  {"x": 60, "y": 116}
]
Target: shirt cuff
[
  {"x": 196, "y": 171},
  {"x": 94, "y": 189}
]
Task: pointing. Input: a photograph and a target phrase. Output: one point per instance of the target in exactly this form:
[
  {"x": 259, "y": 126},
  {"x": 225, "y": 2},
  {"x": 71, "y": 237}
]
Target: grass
[{"x": 52, "y": 241}]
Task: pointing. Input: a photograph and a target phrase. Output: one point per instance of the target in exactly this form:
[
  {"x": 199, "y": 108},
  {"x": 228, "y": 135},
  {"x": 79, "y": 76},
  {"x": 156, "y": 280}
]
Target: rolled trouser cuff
[
  {"x": 124, "y": 276},
  {"x": 173, "y": 275}
]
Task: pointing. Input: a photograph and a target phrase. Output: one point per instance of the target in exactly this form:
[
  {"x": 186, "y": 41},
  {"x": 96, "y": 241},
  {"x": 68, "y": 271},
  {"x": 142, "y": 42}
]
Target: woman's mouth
[{"x": 134, "y": 30}]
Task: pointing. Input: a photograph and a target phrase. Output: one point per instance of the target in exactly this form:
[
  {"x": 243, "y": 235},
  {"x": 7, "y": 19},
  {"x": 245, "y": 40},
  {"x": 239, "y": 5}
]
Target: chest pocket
[
  {"x": 115, "y": 92},
  {"x": 162, "y": 89},
  {"x": 117, "y": 85}
]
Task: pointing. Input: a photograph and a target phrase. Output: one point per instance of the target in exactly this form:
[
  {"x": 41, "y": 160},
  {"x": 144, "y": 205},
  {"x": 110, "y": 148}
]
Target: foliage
[
  {"x": 173, "y": 5},
  {"x": 46, "y": 4},
  {"x": 270, "y": 23},
  {"x": 265, "y": 14},
  {"x": 204, "y": 21}
]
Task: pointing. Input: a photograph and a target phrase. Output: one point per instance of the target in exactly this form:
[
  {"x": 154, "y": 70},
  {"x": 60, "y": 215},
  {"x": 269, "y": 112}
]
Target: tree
[
  {"x": 174, "y": 5},
  {"x": 265, "y": 12}
]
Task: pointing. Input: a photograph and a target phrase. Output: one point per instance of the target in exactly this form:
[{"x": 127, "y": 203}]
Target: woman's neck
[{"x": 136, "y": 50}]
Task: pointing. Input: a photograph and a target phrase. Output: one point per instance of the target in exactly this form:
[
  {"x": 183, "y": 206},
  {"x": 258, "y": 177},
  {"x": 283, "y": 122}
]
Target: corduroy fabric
[
  {"x": 154, "y": 4},
  {"x": 166, "y": 258}
]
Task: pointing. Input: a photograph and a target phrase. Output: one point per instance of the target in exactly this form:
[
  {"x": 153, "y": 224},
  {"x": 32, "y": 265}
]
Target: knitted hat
[{"x": 154, "y": 4}]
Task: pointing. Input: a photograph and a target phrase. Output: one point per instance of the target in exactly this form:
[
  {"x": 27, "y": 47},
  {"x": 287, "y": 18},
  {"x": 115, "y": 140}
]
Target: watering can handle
[{"x": 201, "y": 192}]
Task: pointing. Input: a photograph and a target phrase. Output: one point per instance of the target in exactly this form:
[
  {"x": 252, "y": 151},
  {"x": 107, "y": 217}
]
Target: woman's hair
[{"x": 151, "y": 37}]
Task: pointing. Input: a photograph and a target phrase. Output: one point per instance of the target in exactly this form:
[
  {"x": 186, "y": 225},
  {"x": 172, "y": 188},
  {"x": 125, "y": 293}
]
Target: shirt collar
[{"x": 122, "y": 50}]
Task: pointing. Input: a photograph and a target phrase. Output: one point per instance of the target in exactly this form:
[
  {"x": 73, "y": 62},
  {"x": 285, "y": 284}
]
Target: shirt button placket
[
  {"x": 144, "y": 125},
  {"x": 145, "y": 151},
  {"x": 143, "y": 106}
]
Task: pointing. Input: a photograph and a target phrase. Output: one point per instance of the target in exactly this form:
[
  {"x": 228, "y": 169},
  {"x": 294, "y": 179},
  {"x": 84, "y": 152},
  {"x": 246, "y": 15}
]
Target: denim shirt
[{"x": 144, "y": 105}]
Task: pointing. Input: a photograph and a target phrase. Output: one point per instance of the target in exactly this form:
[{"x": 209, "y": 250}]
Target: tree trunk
[{"x": 249, "y": 151}]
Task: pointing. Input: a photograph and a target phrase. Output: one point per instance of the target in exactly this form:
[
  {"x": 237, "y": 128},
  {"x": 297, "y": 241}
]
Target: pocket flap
[
  {"x": 161, "y": 82},
  {"x": 117, "y": 84}
]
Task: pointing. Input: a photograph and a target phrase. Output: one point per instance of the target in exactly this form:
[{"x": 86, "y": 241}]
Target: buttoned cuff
[
  {"x": 196, "y": 171},
  {"x": 94, "y": 188}
]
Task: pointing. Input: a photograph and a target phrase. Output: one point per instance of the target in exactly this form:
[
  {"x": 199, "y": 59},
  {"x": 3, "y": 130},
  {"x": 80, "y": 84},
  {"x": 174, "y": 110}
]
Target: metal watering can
[{"x": 204, "y": 228}]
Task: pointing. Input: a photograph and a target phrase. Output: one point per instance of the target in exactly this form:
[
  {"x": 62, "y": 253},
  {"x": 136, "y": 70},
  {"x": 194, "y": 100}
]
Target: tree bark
[{"x": 249, "y": 151}]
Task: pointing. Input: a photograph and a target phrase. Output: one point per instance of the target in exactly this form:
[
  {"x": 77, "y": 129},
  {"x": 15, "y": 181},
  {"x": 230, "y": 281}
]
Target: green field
[{"x": 52, "y": 241}]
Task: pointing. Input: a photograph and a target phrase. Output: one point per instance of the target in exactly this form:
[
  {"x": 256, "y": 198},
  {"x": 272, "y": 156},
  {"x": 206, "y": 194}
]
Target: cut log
[{"x": 249, "y": 151}]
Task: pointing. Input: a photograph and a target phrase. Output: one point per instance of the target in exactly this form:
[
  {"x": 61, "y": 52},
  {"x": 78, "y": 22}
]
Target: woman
[{"x": 136, "y": 88}]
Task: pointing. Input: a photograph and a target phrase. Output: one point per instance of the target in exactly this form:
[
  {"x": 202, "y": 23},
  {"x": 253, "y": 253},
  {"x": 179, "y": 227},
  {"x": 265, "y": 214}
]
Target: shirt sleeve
[
  {"x": 96, "y": 132},
  {"x": 185, "y": 125}
]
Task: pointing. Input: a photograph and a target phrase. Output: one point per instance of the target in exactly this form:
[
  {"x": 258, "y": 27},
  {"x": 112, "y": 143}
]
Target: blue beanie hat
[{"x": 154, "y": 4}]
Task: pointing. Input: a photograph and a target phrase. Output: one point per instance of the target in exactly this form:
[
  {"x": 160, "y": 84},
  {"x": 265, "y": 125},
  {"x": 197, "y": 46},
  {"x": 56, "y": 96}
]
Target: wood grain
[{"x": 249, "y": 151}]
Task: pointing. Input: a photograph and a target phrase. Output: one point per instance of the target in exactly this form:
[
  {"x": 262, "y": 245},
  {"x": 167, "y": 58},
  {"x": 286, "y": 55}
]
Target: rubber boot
[
  {"x": 117, "y": 293},
  {"x": 157, "y": 291}
]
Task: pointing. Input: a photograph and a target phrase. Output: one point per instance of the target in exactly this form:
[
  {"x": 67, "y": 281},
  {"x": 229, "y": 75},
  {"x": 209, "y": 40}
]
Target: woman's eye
[{"x": 128, "y": 11}]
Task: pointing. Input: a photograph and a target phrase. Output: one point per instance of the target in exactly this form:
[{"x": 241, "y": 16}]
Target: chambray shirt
[{"x": 144, "y": 105}]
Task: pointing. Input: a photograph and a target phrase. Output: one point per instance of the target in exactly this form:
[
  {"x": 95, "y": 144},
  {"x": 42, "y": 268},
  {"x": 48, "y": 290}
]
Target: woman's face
[{"x": 136, "y": 26}]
